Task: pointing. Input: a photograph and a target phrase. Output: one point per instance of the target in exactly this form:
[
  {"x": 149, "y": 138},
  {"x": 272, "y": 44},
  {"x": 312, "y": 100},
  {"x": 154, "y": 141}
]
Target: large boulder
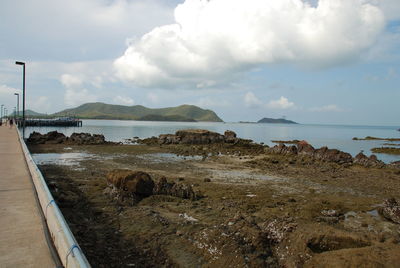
[
  {"x": 230, "y": 136},
  {"x": 303, "y": 147},
  {"x": 128, "y": 182}
]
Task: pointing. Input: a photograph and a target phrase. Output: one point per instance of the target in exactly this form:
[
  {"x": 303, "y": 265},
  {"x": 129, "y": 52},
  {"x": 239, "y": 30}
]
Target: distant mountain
[
  {"x": 30, "y": 113},
  {"x": 276, "y": 121},
  {"x": 100, "y": 110}
]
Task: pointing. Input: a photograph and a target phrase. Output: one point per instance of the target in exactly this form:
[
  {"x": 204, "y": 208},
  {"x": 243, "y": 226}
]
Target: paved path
[{"x": 22, "y": 241}]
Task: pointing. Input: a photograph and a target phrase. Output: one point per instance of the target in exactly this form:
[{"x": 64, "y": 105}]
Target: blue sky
[{"x": 332, "y": 61}]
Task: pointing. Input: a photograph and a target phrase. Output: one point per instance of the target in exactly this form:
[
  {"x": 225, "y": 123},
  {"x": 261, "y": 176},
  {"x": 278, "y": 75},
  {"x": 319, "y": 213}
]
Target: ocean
[{"x": 334, "y": 136}]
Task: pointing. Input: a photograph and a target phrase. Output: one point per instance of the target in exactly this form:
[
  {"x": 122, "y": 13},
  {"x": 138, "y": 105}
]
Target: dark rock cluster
[
  {"x": 364, "y": 160},
  {"x": 182, "y": 190},
  {"x": 52, "y": 137},
  {"x": 325, "y": 154},
  {"x": 197, "y": 136},
  {"x": 55, "y": 137},
  {"x": 137, "y": 185}
]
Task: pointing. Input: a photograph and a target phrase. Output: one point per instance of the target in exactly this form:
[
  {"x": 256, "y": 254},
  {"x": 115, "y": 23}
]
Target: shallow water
[
  {"x": 333, "y": 136},
  {"x": 167, "y": 157},
  {"x": 63, "y": 159}
]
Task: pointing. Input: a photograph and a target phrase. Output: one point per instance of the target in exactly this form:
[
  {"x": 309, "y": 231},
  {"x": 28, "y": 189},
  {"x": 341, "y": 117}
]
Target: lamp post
[
  {"x": 23, "y": 96},
  {"x": 1, "y": 118},
  {"x": 17, "y": 94},
  {"x": 17, "y": 112}
]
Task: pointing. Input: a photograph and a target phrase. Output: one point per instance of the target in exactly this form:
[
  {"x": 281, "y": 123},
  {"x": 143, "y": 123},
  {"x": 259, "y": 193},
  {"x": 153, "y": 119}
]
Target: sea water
[{"x": 334, "y": 136}]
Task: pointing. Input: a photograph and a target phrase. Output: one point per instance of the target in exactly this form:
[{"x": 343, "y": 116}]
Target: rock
[
  {"x": 52, "y": 137},
  {"x": 366, "y": 161},
  {"x": 283, "y": 149},
  {"x": 330, "y": 216},
  {"x": 390, "y": 210},
  {"x": 305, "y": 148},
  {"x": 207, "y": 180},
  {"x": 131, "y": 182},
  {"x": 181, "y": 190},
  {"x": 230, "y": 136},
  {"x": 332, "y": 155},
  {"x": 86, "y": 138},
  {"x": 55, "y": 137},
  {"x": 168, "y": 139},
  {"x": 192, "y": 136},
  {"x": 199, "y": 136}
]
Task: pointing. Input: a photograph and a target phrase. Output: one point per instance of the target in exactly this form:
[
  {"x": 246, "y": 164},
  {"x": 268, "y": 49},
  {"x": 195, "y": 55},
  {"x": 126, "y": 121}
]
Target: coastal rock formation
[
  {"x": 364, "y": 160},
  {"x": 304, "y": 148},
  {"x": 197, "y": 136},
  {"x": 332, "y": 155},
  {"x": 55, "y": 137},
  {"x": 128, "y": 182},
  {"x": 390, "y": 210},
  {"x": 52, "y": 137},
  {"x": 230, "y": 136},
  {"x": 86, "y": 138},
  {"x": 137, "y": 184},
  {"x": 182, "y": 190}
]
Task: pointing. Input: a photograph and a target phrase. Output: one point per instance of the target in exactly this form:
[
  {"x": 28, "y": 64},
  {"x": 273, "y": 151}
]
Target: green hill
[
  {"x": 30, "y": 113},
  {"x": 276, "y": 121},
  {"x": 100, "y": 110}
]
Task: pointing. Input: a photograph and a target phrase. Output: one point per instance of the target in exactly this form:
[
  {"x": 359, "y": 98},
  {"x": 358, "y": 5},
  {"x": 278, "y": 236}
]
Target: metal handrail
[{"x": 67, "y": 247}]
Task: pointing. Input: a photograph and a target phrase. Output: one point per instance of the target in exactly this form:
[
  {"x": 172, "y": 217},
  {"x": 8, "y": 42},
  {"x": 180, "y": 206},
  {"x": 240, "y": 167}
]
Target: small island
[{"x": 276, "y": 121}]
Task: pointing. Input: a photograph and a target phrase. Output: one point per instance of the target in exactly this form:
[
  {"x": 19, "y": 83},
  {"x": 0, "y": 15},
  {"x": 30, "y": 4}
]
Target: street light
[
  {"x": 17, "y": 113},
  {"x": 2, "y": 112},
  {"x": 23, "y": 96}
]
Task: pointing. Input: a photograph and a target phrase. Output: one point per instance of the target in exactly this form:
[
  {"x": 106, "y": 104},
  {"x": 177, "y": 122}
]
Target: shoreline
[{"x": 273, "y": 209}]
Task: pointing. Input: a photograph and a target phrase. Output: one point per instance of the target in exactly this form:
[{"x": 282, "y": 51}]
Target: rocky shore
[
  {"x": 202, "y": 199},
  {"x": 55, "y": 137}
]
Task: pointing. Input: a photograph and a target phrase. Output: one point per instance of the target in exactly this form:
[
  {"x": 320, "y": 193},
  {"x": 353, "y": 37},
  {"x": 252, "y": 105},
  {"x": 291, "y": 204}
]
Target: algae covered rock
[
  {"x": 391, "y": 210},
  {"x": 52, "y": 137},
  {"x": 131, "y": 182}
]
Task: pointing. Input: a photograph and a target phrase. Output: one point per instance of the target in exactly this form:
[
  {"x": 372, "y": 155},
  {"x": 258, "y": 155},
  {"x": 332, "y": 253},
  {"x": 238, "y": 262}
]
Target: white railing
[{"x": 64, "y": 241}]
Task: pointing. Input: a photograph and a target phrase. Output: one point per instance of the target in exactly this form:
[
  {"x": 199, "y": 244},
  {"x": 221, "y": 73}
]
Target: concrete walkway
[{"x": 22, "y": 241}]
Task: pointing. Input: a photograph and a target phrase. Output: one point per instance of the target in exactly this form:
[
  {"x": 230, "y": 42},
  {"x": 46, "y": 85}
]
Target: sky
[{"x": 314, "y": 62}]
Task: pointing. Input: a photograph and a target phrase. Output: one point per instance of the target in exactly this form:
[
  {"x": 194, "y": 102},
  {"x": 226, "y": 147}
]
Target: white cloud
[
  {"x": 40, "y": 104},
  {"x": 124, "y": 100},
  {"x": 71, "y": 81},
  {"x": 74, "y": 97},
  {"x": 8, "y": 91},
  {"x": 88, "y": 30},
  {"x": 215, "y": 39},
  {"x": 207, "y": 102},
  {"x": 251, "y": 100},
  {"x": 391, "y": 8},
  {"x": 327, "y": 108},
  {"x": 282, "y": 103}
]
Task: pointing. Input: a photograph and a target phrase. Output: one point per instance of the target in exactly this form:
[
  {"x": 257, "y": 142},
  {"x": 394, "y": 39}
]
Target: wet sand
[{"x": 258, "y": 209}]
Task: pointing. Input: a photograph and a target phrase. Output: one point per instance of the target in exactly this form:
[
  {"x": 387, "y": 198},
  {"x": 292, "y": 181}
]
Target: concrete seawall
[{"x": 67, "y": 247}]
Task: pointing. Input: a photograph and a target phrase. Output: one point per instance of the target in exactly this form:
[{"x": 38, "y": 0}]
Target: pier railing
[
  {"x": 61, "y": 122},
  {"x": 64, "y": 241}
]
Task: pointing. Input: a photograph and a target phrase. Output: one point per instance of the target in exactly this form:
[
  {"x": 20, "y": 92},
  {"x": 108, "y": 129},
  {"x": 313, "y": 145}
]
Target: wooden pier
[
  {"x": 58, "y": 122},
  {"x": 22, "y": 236}
]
